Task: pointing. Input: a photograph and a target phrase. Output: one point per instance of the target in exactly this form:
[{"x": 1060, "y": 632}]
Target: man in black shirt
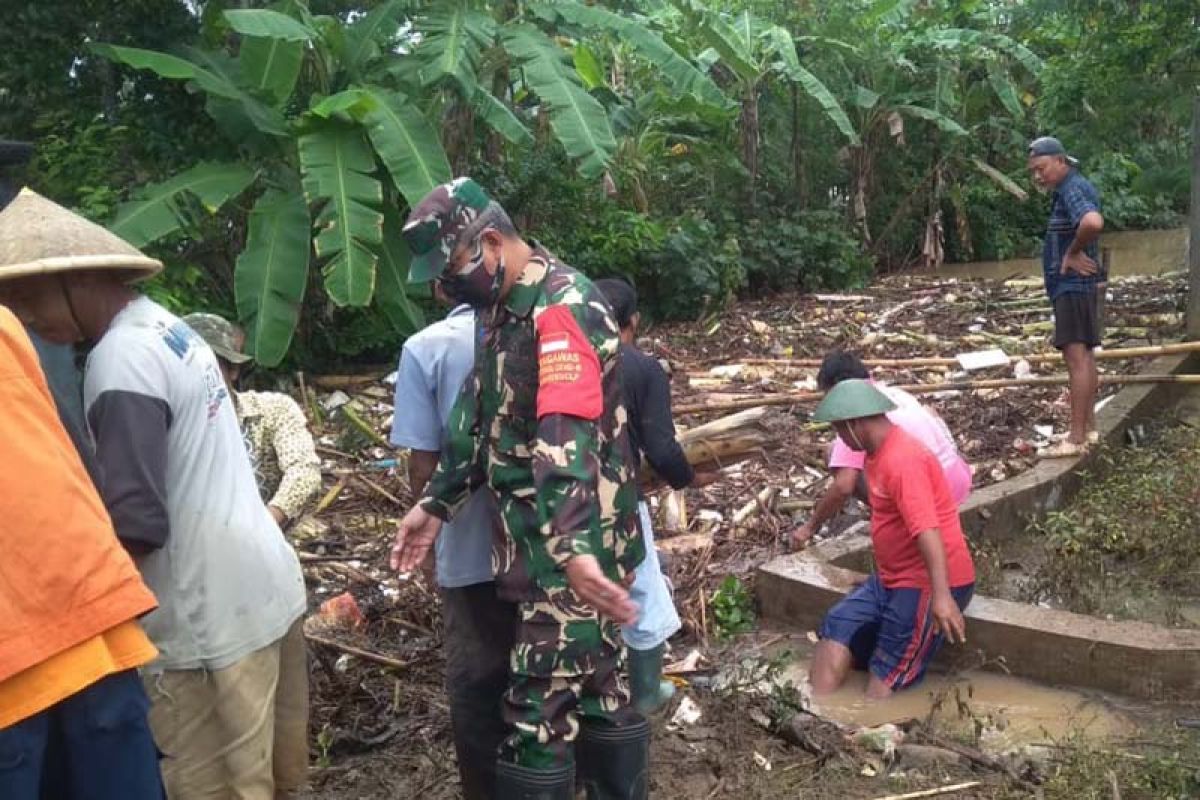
[{"x": 647, "y": 392}]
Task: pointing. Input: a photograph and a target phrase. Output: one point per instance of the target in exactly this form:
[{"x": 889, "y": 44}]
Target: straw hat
[{"x": 40, "y": 237}]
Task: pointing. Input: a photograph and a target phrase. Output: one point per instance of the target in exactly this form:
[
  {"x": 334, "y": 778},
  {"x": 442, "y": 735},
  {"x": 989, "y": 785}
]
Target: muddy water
[
  {"x": 1133, "y": 253},
  {"x": 1010, "y": 712}
]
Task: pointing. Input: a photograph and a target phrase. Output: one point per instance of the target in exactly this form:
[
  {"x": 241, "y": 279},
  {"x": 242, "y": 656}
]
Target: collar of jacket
[{"x": 525, "y": 291}]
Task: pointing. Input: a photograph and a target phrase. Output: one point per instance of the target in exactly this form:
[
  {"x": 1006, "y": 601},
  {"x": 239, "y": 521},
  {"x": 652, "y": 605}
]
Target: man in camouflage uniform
[{"x": 541, "y": 423}]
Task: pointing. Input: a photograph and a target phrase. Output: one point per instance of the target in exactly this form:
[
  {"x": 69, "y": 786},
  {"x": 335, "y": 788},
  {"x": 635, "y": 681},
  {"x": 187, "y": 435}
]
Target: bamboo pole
[
  {"x": 357, "y": 652},
  {"x": 1172, "y": 348},
  {"x": 931, "y": 388},
  {"x": 941, "y": 790}
]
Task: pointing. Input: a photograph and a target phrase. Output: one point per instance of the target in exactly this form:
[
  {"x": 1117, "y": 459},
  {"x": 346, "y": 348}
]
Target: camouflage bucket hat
[
  {"x": 852, "y": 399},
  {"x": 220, "y": 334},
  {"x": 433, "y": 227}
]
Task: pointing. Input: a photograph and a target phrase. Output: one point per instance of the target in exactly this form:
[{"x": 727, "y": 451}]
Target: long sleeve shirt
[
  {"x": 281, "y": 450},
  {"x": 541, "y": 423},
  {"x": 651, "y": 427}
]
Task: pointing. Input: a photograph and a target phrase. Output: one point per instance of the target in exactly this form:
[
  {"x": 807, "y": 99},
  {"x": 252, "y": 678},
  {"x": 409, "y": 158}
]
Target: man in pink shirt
[{"x": 847, "y": 463}]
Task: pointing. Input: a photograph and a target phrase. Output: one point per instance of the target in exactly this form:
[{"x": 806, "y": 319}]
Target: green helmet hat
[
  {"x": 219, "y": 334},
  {"x": 433, "y": 227},
  {"x": 853, "y": 399}
]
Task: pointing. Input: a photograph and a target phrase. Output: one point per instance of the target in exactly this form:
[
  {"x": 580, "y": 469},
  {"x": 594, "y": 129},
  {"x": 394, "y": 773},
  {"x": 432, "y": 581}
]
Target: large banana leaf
[
  {"x": 271, "y": 274},
  {"x": 780, "y": 43},
  {"x": 1003, "y": 181},
  {"x": 455, "y": 37},
  {"x": 579, "y": 121},
  {"x": 674, "y": 68},
  {"x": 210, "y": 71},
  {"x": 734, "y": 43},
  {"x": 392, "y": 289},
  {"x": 406, "y": 143},
  {"x": 959, "y": 38},
  {"x": 267, "y": 23},
  {"x": 499, "y": 117},
  {"x": 155, "y": 212},
  {"x": 270, "y": 66},
  {"x": 169, "y": 66},
  {"x": 363, "y": 37},
  {"x": 1002, "y": 85},
  {"x": 937, "y": 118},
  {"x": 337, "y": 164}
]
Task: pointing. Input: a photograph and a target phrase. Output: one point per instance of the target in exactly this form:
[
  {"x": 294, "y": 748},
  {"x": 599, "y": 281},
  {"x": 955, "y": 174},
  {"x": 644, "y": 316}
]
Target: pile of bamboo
[{"x": 723, "y": 442}]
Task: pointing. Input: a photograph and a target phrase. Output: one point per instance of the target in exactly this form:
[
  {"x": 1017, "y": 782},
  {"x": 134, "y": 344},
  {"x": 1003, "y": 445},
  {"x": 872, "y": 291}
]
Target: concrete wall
[
  {"x": 1006, "y": 508},
  {"x": 1133, "y": 253},
  {"x": 1131, "y": 658}
]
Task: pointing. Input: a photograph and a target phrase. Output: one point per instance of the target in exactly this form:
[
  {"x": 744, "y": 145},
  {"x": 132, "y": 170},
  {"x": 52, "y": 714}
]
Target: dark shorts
[
  {"x": 95, "y": 744},
  {"x": 889, "y": 631},
  {"x": 1077, "y": 319}
]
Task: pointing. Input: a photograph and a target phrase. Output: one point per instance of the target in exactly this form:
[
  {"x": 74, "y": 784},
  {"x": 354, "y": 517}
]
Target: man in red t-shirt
[{"x": 895, "y": 622}]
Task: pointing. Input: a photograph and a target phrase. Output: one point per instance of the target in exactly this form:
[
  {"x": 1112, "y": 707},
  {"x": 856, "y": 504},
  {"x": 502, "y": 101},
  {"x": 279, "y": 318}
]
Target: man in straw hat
[
  {"x": 70, "y": 596},
  {"x": 542, "y": 424},
  {"x": 179, "y": 488},
  {"x": 894, "y": 623}
]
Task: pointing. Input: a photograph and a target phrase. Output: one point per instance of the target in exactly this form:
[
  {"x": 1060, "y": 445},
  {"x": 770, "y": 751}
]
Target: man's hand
[
  {"x": 280, "y": 517},
  {"x": 1080, "y": 263},
  {"x": 589, "y": 582},
  {"x": 705, "y": 478},
  {"x": 414, "y": 537},
  {"x": 803, "y": 535},
  {"x": 947, "y": 618}
]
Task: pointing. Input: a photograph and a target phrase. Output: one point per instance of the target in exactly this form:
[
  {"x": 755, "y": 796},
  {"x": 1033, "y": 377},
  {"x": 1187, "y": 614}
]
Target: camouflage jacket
[{"x": 542, "y": 423}]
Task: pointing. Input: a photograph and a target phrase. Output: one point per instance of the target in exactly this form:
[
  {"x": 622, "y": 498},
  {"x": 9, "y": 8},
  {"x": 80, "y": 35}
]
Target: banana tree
[
  {"x": 955, "y": 83},
  {"x": 335, "y": 129},
  {"x": 756, "y": 53},
  {"x": 325, "y": 178}
]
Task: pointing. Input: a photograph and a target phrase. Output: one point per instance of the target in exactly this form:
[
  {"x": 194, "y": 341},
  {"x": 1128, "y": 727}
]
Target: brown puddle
[{"x": 1009, "y": 712}]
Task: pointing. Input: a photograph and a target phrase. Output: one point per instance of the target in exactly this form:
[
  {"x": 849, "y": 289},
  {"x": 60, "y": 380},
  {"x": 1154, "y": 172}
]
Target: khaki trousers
[{"x": 239, "y": 733}]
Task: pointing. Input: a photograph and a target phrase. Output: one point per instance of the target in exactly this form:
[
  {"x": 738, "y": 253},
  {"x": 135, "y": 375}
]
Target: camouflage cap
[
  {"x": 220, "y": 334},
  {"x": 433, "y": 227}
]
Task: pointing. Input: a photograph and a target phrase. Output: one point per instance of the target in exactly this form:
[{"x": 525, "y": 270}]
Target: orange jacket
[{"x": 64, "y": 577}]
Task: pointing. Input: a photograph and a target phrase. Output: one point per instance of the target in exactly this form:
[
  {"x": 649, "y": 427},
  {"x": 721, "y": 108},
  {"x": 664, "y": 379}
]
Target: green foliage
[
  {"x": 1126, "y": 545},
  {"x": 732, "y": 608},
  {"x": 809, "y": 251}
]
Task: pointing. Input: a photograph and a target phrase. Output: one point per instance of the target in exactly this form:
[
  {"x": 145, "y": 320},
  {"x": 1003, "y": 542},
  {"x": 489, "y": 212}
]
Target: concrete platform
[{"x": 1131, "y": 658}]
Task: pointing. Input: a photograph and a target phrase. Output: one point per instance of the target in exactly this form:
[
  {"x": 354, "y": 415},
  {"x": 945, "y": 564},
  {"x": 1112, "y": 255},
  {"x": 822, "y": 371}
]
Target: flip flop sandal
[{"x": 1063, "y": 449}]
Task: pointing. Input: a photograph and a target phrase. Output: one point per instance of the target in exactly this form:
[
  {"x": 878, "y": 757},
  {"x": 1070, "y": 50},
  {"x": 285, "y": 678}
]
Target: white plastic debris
[
  {"x": 982, "y": 359},
  {"x": 762, "y": 761},
  {"x": 391, "y": 378},
  {"x": 688, "y": 713},
  {"x": 335, "y": 400},
  {"x": 1022, "y": 369}
]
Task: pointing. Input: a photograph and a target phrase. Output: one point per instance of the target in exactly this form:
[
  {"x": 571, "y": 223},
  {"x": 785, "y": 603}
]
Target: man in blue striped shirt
[{"x": 1070, "y": 264}]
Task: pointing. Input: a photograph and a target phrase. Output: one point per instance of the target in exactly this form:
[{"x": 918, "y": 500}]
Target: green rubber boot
[
  {"x": 514, "y": 782},
  {"x": 650, "y": 692}
]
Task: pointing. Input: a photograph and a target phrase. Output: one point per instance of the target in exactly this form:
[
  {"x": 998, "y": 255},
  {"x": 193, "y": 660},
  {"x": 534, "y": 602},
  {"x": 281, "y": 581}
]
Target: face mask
[{"x": 473, "y": 285}]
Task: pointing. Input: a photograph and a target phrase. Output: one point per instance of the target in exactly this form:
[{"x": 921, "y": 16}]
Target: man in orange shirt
[
  {"x": 72, "y": 707},
  {"x": 895, "y": 622}
]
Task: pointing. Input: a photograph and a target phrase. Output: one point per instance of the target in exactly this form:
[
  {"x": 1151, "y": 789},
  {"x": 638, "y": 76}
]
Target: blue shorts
[{"x": 889, "y": 631}]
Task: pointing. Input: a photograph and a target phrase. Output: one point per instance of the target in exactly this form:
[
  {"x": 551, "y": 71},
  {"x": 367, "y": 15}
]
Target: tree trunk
[
  {"x": 749, "y": 124},
  {"x": 494, "y": 144},
  {"x": 799, "y": 171},
  {"x": 1193, "y": 312},
  {"x": 458, "y": 134}
]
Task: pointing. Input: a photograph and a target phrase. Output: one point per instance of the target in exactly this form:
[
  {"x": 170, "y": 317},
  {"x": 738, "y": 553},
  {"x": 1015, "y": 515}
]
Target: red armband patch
[{"x": 568, "y": 367}]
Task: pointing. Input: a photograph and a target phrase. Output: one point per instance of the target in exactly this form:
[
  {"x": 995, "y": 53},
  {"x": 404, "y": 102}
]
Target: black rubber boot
[
  {"x": 514, "y": 782},
  {"x": 614, "y": 761}
]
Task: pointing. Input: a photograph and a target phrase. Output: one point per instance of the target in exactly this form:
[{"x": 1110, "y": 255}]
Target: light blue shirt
[{"x": 433, "y": 366}]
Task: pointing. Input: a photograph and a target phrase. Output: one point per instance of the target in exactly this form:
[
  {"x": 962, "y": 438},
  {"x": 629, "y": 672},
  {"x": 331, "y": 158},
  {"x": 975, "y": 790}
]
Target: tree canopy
[{"x": 268, "y": 151}]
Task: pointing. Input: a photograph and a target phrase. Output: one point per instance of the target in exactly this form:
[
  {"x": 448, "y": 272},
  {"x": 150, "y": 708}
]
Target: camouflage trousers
[{"x": 566, "y": 669}]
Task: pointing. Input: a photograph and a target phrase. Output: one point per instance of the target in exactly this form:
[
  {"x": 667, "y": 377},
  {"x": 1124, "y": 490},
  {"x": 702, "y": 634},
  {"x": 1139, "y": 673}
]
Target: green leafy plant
[{"x": 732, "y": 608}]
